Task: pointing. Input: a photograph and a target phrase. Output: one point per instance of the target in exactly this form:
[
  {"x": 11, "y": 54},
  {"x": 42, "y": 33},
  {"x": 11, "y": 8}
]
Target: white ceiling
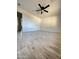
[{"x": 29, "y": 6}]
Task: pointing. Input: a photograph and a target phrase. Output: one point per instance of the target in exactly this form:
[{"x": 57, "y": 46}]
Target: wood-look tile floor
[{"x": 39, "y": 45}]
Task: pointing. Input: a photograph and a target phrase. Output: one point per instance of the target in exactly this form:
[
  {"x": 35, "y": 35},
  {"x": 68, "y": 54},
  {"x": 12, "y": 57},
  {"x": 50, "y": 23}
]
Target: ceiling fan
[{"x": 42, "y": 8}]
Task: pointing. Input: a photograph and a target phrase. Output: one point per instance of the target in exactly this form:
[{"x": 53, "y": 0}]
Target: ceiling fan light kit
[{"x": 42, "y": 8}]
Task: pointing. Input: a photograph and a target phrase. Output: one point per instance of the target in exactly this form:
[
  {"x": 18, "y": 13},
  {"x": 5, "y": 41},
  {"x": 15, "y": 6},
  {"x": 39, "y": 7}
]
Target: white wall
[
  {"x": 28, "y": 24},
  {"x": 50, "y": 24}
]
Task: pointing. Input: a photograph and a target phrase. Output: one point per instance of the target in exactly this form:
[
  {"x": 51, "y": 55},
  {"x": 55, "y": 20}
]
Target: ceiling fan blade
[
  {"x": 38, "y": 10},
  {"x": 46, "y": 11},
  {"x": 46, "y": 6},
  {"x": 39, "y": 5},
  {"x": 41, "y": 12}
]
